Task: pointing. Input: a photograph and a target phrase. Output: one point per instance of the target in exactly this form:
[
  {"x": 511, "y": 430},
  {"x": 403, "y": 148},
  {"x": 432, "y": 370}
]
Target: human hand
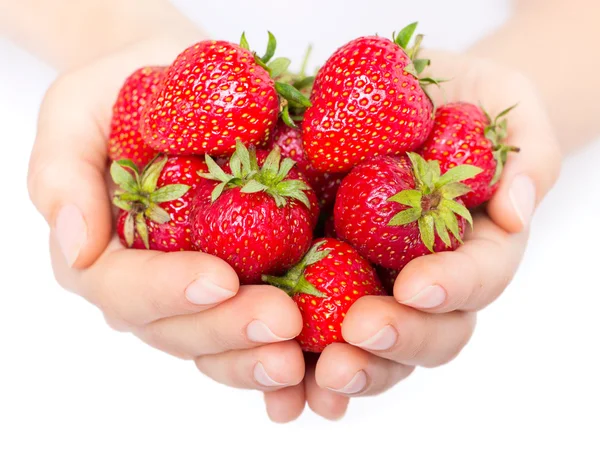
[
  {"x": 437, "y": 296},
  {"x": 188, "y": 304}
]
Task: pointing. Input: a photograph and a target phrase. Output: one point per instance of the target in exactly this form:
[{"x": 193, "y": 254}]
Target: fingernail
[
  {"x": 71, "y": 232},
  {"x": 383, "y": 340},
  {"x": 522, "y": 196},
  {"x": 262, "y": 377},
  {"x": 205, "y": 292},
  {"x": 430, "y": 297},
  {"x": 357, "y": 384},
  {"x": 258, "y": 331}
]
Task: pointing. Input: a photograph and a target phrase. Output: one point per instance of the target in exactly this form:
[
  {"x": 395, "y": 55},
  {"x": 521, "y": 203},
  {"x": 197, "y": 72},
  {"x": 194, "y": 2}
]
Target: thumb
[
  {"x": 66, "y": 178},
  {"x": 530, "y": 173}
]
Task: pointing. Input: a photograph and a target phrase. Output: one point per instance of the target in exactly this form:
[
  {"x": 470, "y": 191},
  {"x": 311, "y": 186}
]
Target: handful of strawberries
[{"x": 229, "y": 153}]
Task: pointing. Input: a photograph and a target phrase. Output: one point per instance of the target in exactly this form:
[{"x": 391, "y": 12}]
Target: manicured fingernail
[
  {"x": 258, "y": 331},
  {"x": 357, "y": 384},
  {"x": 262, "y": 377},
  {"x": 205, "y": 292},
  {"x": 383, "y": 340},
  {"x": 522, "y": 197},
  {"x": 71, "y": 232},
  {"x": 430, "y": 297}
]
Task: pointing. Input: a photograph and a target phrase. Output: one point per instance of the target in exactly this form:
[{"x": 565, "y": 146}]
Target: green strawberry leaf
[
  {"x": 285, "y": 116},
  {"x": 421, "y": 64},
  {"x": 123, "y": 178},
  {"x": 271, "y": 47},
  {"x": 457, "y": 208},
  {"x": 451, "y": 223},
  {"x": 119, "y": 203},
  {"x": 129, "y": 164},
  {"x": 405, "y": 217},
  {"x": 292, "y": 94},
  {"x": 297, "y": 195},
  {"x": 169, "y": 193},
  {"x": 284, "y": 169},
  {"x": 441, "y": 230},
  {"x": 142, "y": 229},
  {"x": 409, "y": 197},
  {"x": 156, "y": 214},
  {"x": 405, "y": 35},
  {"x": 244, "y": 42},
  {"x": 129, "y": 229},
  {"x": 454, "y": 190},
  {"x": 279, "y": 66},
  {"x": 304, "y": 83},
  {"x": 427, "y": 231},
  {"x": 270, "y": 167},
  {"x": 217, "y": 191},
  {"x": 459, "y": 173},
  {"x": 151, "y": 174},
  {"x": 253, "y": 187},
  {"x": 215, "y": 171}
]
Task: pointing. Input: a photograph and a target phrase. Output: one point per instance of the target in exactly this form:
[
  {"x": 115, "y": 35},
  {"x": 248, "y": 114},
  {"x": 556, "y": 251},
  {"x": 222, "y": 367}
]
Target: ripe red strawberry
[
  {"x": 256, "y": 213},
  {"x": 325, "y": 185},
  {"x": 156, "y": 203},
  {"x": 125, "y": 140},
  {"x": 393, "y": 210},
  {"x": 215, "y": 93},
  {"x": 368, "y": 101},
  {"x": 328, "y": 280},
  {"x": 465, "y": 134}
]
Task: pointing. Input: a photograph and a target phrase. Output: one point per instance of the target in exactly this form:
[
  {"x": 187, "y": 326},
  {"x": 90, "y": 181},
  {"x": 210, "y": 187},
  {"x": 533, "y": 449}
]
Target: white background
[{"x": 529, "y": 378}]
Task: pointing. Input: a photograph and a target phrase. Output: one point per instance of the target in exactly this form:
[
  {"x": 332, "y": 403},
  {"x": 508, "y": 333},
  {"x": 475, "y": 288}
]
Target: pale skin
[{"x": 191, "y": 305}]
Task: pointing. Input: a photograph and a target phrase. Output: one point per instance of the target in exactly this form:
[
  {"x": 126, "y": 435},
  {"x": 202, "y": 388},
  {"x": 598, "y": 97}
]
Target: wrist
[{"x": 157, "y": 23}]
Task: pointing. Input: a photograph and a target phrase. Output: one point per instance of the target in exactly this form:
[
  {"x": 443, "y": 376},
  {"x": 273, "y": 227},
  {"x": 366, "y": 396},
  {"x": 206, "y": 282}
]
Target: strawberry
[
  {"x": 388, "y": 278},
  {"x": 256, "y": 213},
  {"x": 156, "y": 203},
  {"x": 125, "y": 140},
  {"x": 393, "y": 210},
  {"x": 215, "y": 93},
  {"x": 368, "y": 101},
  {"x": 325, "y": 185},
  {"x": 465, "y": 134},
  {"x": 328, "y": 280}
]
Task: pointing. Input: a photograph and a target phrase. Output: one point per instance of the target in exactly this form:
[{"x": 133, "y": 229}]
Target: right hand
[{"x": 188, "y": 304}]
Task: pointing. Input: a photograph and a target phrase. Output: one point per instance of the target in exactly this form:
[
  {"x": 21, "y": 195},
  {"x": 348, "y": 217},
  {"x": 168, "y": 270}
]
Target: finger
[
  {"x": 350, "y": 371},
  {"x": 66, "y": 178},
  {"x": 257, "y": 315},
  {"x": 140, "y": 286},
  {"x": 399, "y": 333},
  {"x": 267, "y": 368},
  {"x": 285, "y": 405},
  {"x": 467, "y": 279},
  {"x": 529, "y": 174},
  {"x": 324, "y": 402}
]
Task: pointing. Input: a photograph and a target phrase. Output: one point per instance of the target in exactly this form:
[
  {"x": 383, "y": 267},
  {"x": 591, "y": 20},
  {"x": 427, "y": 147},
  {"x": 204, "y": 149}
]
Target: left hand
[{"x": 436, "y": 297}]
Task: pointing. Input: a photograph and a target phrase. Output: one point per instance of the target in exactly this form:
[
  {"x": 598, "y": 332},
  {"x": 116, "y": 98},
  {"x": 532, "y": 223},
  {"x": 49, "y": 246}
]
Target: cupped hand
[
  {"x": 433, "y": 312},
  {"x": 188, "y": 304}
]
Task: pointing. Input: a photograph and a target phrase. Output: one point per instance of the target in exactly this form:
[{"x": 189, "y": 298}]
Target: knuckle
[
  {"x": 412, "y": 347},
  {"x": 42, "y": 178}
]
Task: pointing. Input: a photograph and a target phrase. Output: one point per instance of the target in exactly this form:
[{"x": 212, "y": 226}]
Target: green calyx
[
  {"x": 289, "y": 91},
  {"x": 294, "y": 282},
  {"x": 496, "y": 132},
  {"x": 292, "y": 112},
  {"x": 403, "y": 39},
  {"x": 246, "y": 174},
  {"x": 433, "y": 201},
  {"x": 139, "y": 196}
]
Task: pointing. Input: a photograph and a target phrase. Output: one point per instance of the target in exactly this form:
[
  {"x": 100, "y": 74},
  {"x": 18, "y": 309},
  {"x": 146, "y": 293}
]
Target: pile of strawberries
[{"x": 312, "y": 184}]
